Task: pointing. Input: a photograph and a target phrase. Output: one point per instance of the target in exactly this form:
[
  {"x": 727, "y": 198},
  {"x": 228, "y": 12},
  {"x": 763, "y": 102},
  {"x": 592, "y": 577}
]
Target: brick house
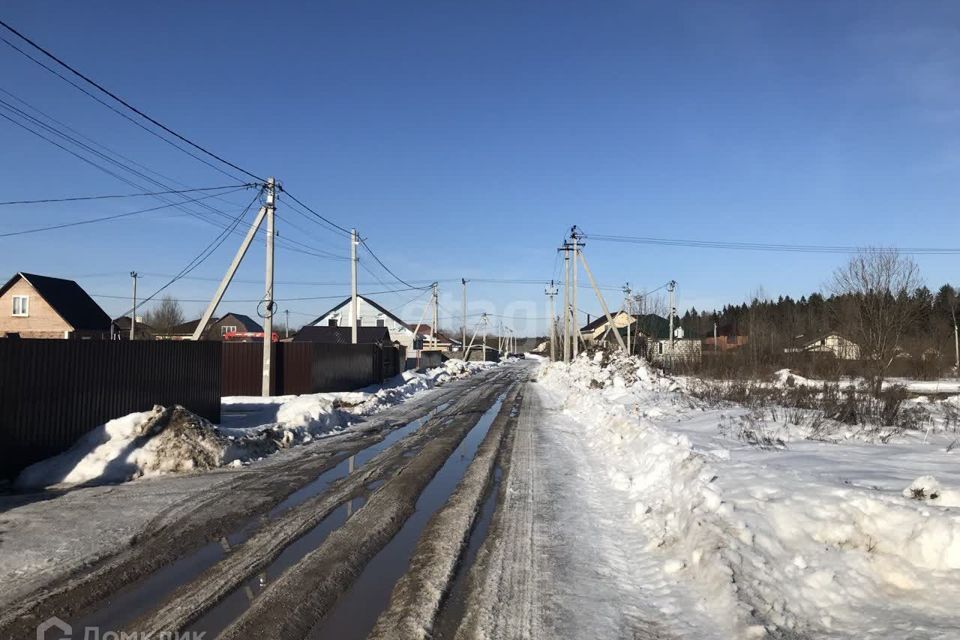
[{"x": 33, "y": 306}]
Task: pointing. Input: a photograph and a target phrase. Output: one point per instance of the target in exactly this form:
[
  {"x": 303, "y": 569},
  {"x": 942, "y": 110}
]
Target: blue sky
[{"x": 463, "y": 139}]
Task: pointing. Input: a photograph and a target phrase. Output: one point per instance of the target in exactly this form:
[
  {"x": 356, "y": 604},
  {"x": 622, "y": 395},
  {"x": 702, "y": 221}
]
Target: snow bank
[
  {"x": 173, "y": 440},
  {"x": 771, "y": 551}
]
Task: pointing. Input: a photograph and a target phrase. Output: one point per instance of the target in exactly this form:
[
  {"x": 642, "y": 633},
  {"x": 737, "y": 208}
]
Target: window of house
[
  {"x": 381, "y": 321},
  {"x": 21, "y": 306},
  {"x": 227, "y": 328},
  {"x": 332, "y": 322}
]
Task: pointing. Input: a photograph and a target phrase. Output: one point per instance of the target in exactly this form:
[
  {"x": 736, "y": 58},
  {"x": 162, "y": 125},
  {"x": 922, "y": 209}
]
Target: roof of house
[
  {"x": 246, "y": 322},
  {"x": 650, "y": 324},
  {"x": 812, "y": 339},
  {"x": 373, "y": 304},
  {"x": 68, "y": 299},
  {"x": 343, "y": 335},
  {"x": 123, "y": 324}
]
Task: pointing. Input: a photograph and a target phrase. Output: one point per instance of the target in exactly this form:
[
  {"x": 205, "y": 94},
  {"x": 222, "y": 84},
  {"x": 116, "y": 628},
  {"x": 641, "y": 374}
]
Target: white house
[
  {"x": 371, "y": 314},
  {"x": 830, "y": 343}
]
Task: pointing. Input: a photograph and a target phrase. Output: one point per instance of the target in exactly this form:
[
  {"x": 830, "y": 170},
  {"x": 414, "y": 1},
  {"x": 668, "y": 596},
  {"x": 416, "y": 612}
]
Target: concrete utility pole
[
  {"x": 353, "y": 285},
  {"x": 463, "y": 345},
  {"x": 603, "y": 304},
  {"x": 566, "y": 304},
  {"x": 671, "y": 287},
  {"x": 270, "y": 207},
  {"x": 481, "y": 322},
  {"x": 575, "y": 235},
  {"x": 286, "y": 322},
  {"x": 551, "y": 292},
  {"x": 714, "y": 336},
  {"x": 231, "y": 270},
  {"x": 436, "y": 315},
  {"x": 133, "y": 315},
  {"x": 628, "y": 307}
]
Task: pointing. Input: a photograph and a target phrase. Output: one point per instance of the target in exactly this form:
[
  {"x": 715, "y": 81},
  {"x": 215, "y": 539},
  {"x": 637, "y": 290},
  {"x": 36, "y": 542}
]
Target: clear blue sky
[{"x": 463, "y": 139}]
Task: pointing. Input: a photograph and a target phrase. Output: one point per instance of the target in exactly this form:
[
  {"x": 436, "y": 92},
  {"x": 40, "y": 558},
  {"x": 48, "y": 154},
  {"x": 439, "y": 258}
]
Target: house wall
[
  {"x": 42, "y": 322},
  {"x": 368, "y": 315},
  {"x": 679, "y": 351},
  {"x": 620, "y": 320}
]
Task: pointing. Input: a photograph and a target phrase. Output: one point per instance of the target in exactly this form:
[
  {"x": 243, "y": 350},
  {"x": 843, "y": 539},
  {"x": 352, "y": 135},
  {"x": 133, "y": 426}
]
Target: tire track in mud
[
  {"x": 185, "y": 527},
  {"x": 417, "y": 596},
  {"x": 305, "y": 593},
  {"x": 193, "y": 600}
]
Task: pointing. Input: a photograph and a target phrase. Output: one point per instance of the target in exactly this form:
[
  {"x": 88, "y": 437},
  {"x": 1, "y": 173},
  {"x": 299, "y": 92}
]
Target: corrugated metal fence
[
  {"x": 308, "y": 367},
  {"x": 54, "y": 391}
]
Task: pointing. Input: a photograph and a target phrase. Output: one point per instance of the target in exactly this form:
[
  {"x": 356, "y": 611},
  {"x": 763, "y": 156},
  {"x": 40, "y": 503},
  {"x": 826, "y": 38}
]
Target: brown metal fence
[
  {"x": 54, "y": 391},
  {"x": 307, "y": 367}
]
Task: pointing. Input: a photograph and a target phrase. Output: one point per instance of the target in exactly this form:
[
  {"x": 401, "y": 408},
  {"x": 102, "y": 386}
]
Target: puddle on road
[
  {"x": 215, "y": 620},
  {"x": 357, "y": 610},
  {"x": 135, "y": 600}
]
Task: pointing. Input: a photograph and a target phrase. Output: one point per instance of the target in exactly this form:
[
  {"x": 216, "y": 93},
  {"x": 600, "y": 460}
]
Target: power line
[
  {"x": 125, "y": 195},
  {"x": 115, "y": 216},
  {"x": 125, "y": 103},
  {"x": 764, "y": 246},
  {"x": 314, "y": 213},
  {"x": 385, "y": 268},
  {"x": 329, "y": 297},
  {"x": 203, "y": 255}
]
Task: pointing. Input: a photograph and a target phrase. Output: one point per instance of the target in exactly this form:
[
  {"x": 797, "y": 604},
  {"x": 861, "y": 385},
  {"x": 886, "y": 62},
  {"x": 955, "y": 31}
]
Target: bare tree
[
  {"x": 165, "y": 315},
  {"x": 873, "y": 306}
]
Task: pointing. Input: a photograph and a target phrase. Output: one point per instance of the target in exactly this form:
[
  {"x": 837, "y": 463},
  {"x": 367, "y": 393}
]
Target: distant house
[
  {"x": 371, "y": 314},
  {"x": 647, "y": 326},
  {"x": 727, "y": 340},
  {"x": 344, "y": 335},
  {"x": 218, "y": 328},
  {"x": 143, "y": 331},
  {"x": 431, "y": 341},
  {"x": 33, "y": 306},
  {"x": 671, "y": 352},
  {"x": 828, "y": 343}
]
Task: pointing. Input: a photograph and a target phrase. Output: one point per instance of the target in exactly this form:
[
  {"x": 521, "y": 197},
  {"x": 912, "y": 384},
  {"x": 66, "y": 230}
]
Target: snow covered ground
[
  {"x": 730, "y": 537},
  {"x": 164, "y": 440}
]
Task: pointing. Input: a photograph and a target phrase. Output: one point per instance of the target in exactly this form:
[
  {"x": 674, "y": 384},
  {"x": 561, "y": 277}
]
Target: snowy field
[
  {"x": 166, "y": 440},
  {"x": 735, "y": 537}
]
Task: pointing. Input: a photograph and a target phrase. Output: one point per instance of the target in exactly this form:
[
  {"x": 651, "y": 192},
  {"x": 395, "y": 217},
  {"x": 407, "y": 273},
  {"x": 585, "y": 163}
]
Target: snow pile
[
  {"x": 772, "y": 551},
  {"x": 174, "y": 440}
]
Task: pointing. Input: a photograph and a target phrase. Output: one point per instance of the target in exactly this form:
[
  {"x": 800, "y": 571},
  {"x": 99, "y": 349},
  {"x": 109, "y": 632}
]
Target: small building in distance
[
  {"x": 229, "y": 323},
  {"x": 34, "y": 306},
  {"x": 831, "y": 343},
  {"x": 143, "y": 331}
]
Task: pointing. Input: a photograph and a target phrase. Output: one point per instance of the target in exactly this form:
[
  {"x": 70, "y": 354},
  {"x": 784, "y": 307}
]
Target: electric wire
[
  {"x": 77, "y": 223},
  {"x": 118, "y": 196},
  {"x": 125, "y": 103}
]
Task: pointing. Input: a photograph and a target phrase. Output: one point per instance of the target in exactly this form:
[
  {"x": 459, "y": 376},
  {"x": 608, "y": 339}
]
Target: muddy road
[{"x": 370, "y": 533}]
